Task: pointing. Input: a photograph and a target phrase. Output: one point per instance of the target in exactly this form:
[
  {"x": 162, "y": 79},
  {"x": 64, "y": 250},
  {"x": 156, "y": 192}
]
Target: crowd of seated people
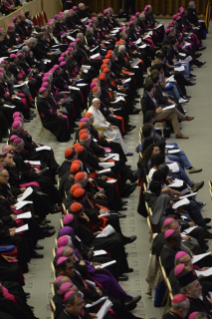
[{"x": 88, "y": 70}]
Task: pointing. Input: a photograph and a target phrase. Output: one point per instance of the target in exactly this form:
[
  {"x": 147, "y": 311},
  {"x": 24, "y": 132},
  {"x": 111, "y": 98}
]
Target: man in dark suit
[{"x": 149, "y": 103}]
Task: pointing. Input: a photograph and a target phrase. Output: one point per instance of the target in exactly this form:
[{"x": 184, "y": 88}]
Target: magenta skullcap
[
  {"x": 130, "y": 23},
  {"x": 179, "y": 298},
  {"x": 99, "y": 15},
  {"x": 174, "y": 16},
  {"x": 58, "y": 279},
  {"x": 10, "y": 24},
  {"x": 77, "y": 40},
  {"x": 93, "y": 84},
  {"x": 69, "y": 49},
  {"x": 62, "y": 63},
  {"x": 20, "y": 15},
  {"x": 55, "y": 16},
  {"x": 84, "y": 119},
  {"x": 18, "y": 119},
  {"x": 167, "y": 221},
  {"x": 68, "y": 294},
  {"x": 167, "y": 30},
  {"x": 14, "y": 18},
  {"x": 180, "y": 254},
  {"x": 42, "y": 89},
  {"x": 72, "y": 44},
  {"x": 61, "y": 260},
  {"x": 16, "y": 124},
  {"x": 137, "y": 14},
  {"x": 12, "y": 56},
  {"x": 61, "y": 59},
  {"x": 62, "y": 241},
  {"x": 65, "y": 287},
  {"x": 67, "y": 219},
  {"x": 17, "y": 141},
  {"x": 12, "y": 137},
  {"x": 178, "y": 269},
  {"x": 71, "y": 10},
  {"x": 133, "y": 17},
  {"x": 171, "y": 23},
  {"x": 3, "y": 61},
  {"x": 56, "y": 66},
  {"x": 18, "y": 54},
  {"x": 45, "y": 84},
  {"x": 168, "y": 233},
  {"x": 178, "y": 18},
  {"x": 66, "y": 230},
  {"x": 16, "y": 114},
  {"x": 193, "y": 315},
  {"x": 45, "y": 78},
  {"x": 105, "y": 11},
  {"x": 59, "y": 252},
  {"x": 74, "y": 7},
  {"x": 63, "y": 54}
]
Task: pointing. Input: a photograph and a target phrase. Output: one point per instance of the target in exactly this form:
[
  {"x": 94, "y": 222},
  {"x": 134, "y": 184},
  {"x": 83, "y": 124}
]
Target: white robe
[{"x": 114, "y": 135}]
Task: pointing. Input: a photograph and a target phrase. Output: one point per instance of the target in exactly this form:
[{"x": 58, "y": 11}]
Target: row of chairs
[
  {"x": 210, "y": 188},
  {"x": 40, "y": 19}
]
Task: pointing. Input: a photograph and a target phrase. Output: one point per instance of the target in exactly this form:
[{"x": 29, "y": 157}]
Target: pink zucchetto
[
  {"x": 137, "y": 14},
  {"x": 178, "y": 298},
  {"x": 180, "y": 254},
  {"x": 14, "y": 18},
  {"x": 17, "y": 141},
  {"x": 105, "y": 11},
  {"x": 178, "y": 269},
  {"x": 61, "y": 260},
  {"x": 62, "y": 63},
  {"x": 72, "y": 44},
  {"x": 64, "y": 287},
  {"x": 42, "y": 89},
  {"x": 18, "y": 54},
  {"x": 68, "y": 294},
  {"x": 92, "y": 85},
  {"x": 16, "y": 124},
  {"x": 174, "y": 17},
  {"x": 167, "y": 221},
  {"x": 58, "y": 279},
  {"x": 59, "y": 252},
  {"x": 67, "y": 219},
  {"x": 45, "y": 84},
  {"x": 56, "y": 66},
  {"x": 61, "y": 59},
  {"x": 168, "y": 233},
  {"x": 171, "y": 23},
  {"x": 13, "y": 137},
  {"x": 16, "y": 114},
  {"x": 62, "y": 241},
  {"x": 77, "y": 40},
  {"x": 193, "y": 315},
  {"x": 74, "y": 7},
  {"x": 10, "y": 24},
  {"x": 12, "y": 56},
  {"x": 178, "y": 18},
  {"x": 167, "y": 30},
  {"x": 130, "y": 23}
]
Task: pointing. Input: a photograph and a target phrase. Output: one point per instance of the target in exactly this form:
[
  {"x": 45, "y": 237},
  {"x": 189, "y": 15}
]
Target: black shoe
[
  {"x": 47, "y": 221},
  {"x": 27, "y": 294},
  {"x": 129, "y": 270},
  {"x": 122, "y": 209},
  {"x": 201, "y": 204},
  {"x": 192, "y": 75},
  {"x": 122, "y": 278},
  {"x": 122, "y": 215},
  {"x": 201, "y": 48},
  {"x": 208, "y": 227},
  {"x": 208, "y": 235},
  {"x": 187, "y": 96},
  {"x": 124, "y": 202},
  {"x": 191, "y": 83},
  {"x": 136, "y": 111},
  {"x": 48, "y": 233},
  {"x": 56, "y": 209},
  {"x": 130, "y": 128},
  {"x": 34, "y": 254},
  {"x": 129, "y": 154},
  {"x": 133, "y": 176},
  {"x": 201, "y": 64},
  {"x": 129, "y": 240},
  {"x": 39, "y": 247},
  {"x": 48, "y": 227},
  {"x": 198, "y": 55},
  {"x": 27, "y": 121},
  {"x": 207, "y": 220},
  {"x": 131, "y": 301},
  {"x": 31, "y": 307},
  {"x": 129, "y": 191}
]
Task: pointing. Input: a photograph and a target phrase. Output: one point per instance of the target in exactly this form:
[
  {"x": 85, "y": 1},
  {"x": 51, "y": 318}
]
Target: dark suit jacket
[
  {"x": 147, "y": 104},
  {"x": 159, "y": 96}
]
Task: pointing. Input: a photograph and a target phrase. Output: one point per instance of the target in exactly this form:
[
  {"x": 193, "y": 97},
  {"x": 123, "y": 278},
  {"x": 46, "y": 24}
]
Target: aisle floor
[{"x": 198, "y": 150}]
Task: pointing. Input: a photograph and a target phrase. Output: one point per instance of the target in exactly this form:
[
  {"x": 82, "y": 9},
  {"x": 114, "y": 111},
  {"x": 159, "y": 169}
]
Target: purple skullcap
[
  {"x": 58, "y": 279},
  {"x": 66, "y": 230},
  {"x": 92, "y": 85},
  {"x": 77, "y": 40},
  {"x": 61, "y": 260},
  {"x": 62, "y": 63},
  {"x": 167, "y": 30},
  {"x": 65, "y": 287},
  {"x": 12, "y": 137},
  {"x": 16, "y": 114},
  {"x": 42, "y": 89},
  {"x": 10, "y": 24},
  {"x": 171, "y": 23},
  {"x": 193, "y": 315},
  {"x": 178, "y": 269},
  {"x": 105, "y": 11},
  {"x": 62, "y": 241},
  {"x": 179, "y": 298},
  {"x": 18, "y": 54},
  {"x": 68, "y": 294},
  {"x": 14, "y": 18},
  {"x": 167, "y": 221},
  {"x": 168, "y": 233},
  {"x": 137, "y": 14},
  {"x": 74, "y": 7},
  {"x": 12, "y": 56},
  {"x": 130, "y": 23},
  {"x": 16, "y": 124},
  {"x": 45, "y": 84},
  {"x": 59, "y": 251},
  {"x": 61, "y": 59},
  {"x": 55, "y": 16},
  {"x": 180, "y": 254},
  {"x": 17, "y": 141},
  {"x": 84, "y": 119},
  {"x": 67, "y": 219}
]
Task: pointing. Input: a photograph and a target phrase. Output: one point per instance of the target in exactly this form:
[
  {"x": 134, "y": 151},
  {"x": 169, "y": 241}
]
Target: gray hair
[
  {"x": 121, "y": 48},
  {"x": 95, "y": 100},
  {"x": 183, "y": 289},
  {"x": 80, "y": 5},
  {"x": 141, "y": 15},
  {"x": 191, "y": 3},
  {"x": 177, "y": 306},
  {"x": 25, "y": 48},
  {"x": 200, "y": 315},
  {"x": 71, "y": 298},
  {"x": 33, "y": 40}
]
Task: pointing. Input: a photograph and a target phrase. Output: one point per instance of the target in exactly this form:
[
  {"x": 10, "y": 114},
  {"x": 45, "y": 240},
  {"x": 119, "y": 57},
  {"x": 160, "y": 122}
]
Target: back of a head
[
  {"x": 148, "y": 86},
  {"x": 164, "y": 168},
  {"x": 147, "y": 142},
  {"x": 157, "y": 160},
  {"x": 147, "y": 130},
  {"x": 156, "y": 66},
  {"x": 155, "y": 78},
  {"x": 161, "y": 144},
  {"x": 155, "y": 187},
  {"x": 149, "y": 116}
]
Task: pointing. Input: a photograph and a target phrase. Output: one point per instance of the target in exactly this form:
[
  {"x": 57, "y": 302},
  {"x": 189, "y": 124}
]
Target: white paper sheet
[
  {"x": 26, "y": 193},
  {"x": 105, "y": 264},
  {"x": 21, "y": 204},
  {"x": 107, "y": 164},
  {"x": 70, "y": 38},
  {"x": 127, "y": 80},
  {"x": 182, "y": 54},
  {"x": 104, "y": 171},
  {"x": 88, "y": 67},
  {"x": 143, "y": 46},
  {"x": 21, "y": 84},
  {"x": 85, "y": 71},
  {"x": 188, "y": 59},
  {"x": 10, "y": 106},
  {"x": 190, "y": 229},
  {"x": 81, "y": 84},
  {"x": 107, "y": 231},
  {"x": 196, "y": 258},
  {"x": 74, "y": 88},
  {"x": 96, "y": 302},
  {"x": 95, "y": 56},
  {"x": 107, "y": 214},
  {"x": 169, "y": 146},
  {"x": 112, "y": 181},
  {"x": 90, "y": 283},
  {"x": 176, "y": 183},
  {"x": 33, "y": 162},
  {"x": 189, "y": 195},
  {"x": 22, "y": 228},
  {"x": 180, "y": 203},
  {"x": 26, "y": 215},
  {"x": 168, "y": 107},
  {"x": 174, "y": 167},
  {"x": 138, "y": 41},
  {"x": 91, "y": 50},
  {"x": 205, "y": 273},
  {"x": 43, "y": 148},
  {"x": 99, "y": 252},
  {"x": 173, "y": 151}
]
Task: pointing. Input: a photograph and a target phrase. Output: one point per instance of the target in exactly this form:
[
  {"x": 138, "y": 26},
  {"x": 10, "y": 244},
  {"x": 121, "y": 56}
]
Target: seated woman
[{"x": 52, "y": 120}]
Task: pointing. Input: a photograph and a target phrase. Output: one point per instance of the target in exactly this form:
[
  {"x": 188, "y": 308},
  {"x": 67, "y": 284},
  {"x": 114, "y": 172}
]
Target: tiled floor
[{"x": 198, "y": 149}]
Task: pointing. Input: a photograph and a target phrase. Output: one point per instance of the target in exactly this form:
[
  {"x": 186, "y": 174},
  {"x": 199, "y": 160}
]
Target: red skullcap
[
  {"x": 79, "y": 192},
  {"x": 106, "y": 61},
  {"x": 81, "y": 125},
  {"x": 102, "y": 76},
  {"x": 68, "y": 152},
  {"x": 74, "y": 168},
  {"x": 75, "y": 208},
  {"x": 107, "y": 70},
  {"x": 103, "y": 66},
  {"x": 95, "y": 89},
  {"x": 87, "y": 115},
  {"x": 75, "y": 145},
  {"x": 79, "y": 149},
  {"x": 83, "y": 131},
  {"x": 80, "y": 176},
  {"x": 95, "y": 80},
  {"x": 73, "y": 188},
  {"x": 84, "y": 137}
]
